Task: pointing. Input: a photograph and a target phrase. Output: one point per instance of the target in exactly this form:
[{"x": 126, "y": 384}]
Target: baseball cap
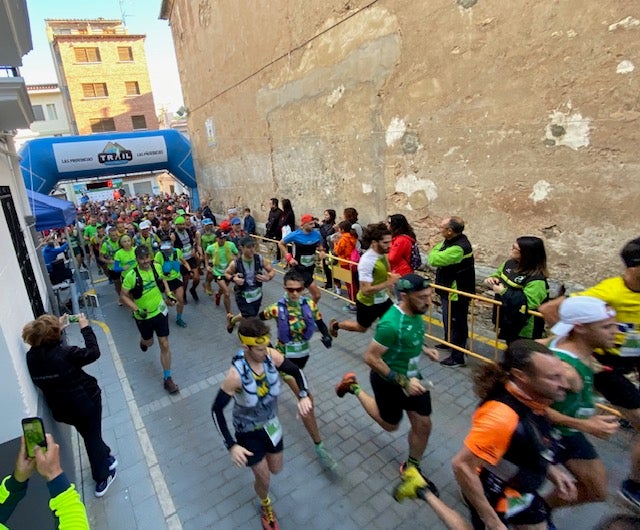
[
  {"x": 181, "y": 211},
  {"x": 207, "y": 221},
  {"x": 179, "y": 220},
  {"x": 411, "y": 283},
  {"x": 142, "y": 251},
  {"x": 581, "y": 310},
  {"x": 232, "y": 211},
  {"x": 235, "y": 221},
  {"x": 166, "y": 245},
  {"x": 224, "y": 225},
  {"x": 145, "y": 225},
  {"x": 220, "y": 233},
  {"x": 306, "y": 218},
  {"x": 247, "y": 241}
]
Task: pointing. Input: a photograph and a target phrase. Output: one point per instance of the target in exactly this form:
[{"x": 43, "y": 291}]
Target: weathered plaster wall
[{"x": 523, "y": 121}]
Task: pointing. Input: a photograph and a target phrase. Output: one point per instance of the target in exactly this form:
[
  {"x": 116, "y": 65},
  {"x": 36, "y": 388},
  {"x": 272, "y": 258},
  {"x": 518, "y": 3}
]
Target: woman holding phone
[{"x": 73, "y": 396}]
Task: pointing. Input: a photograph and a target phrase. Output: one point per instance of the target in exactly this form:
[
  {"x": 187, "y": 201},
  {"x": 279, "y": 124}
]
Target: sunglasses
[{"x": 294, "y": 289}]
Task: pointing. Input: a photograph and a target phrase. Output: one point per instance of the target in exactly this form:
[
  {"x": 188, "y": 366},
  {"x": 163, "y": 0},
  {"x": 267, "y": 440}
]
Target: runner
[
  {"x": 247, "y": 273},
  {"x": 170, "y": 260},
  {"x": 254, "y": 384},
  {"x": 108, "y": 250},
  {"x": 305, "y": 240},
  {"x": 185, "y": 241},
  {"x": 217, "y": 258},
  {"x": 297, "y": 319},
  {"x": 393, "y": 357},
  {"x": 142, "y": 293},
  {"x": 206, "y": 237},
  {"x": 372, "y": 300},
  {"x": 147, "y": 237}
]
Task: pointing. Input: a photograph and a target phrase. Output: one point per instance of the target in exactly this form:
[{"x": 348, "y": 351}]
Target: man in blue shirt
[{"x": 306, "y": 240}]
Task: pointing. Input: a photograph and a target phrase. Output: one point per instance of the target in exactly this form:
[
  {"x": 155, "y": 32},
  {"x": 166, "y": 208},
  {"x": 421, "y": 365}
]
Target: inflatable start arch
[{"x": 45, "y": 161}]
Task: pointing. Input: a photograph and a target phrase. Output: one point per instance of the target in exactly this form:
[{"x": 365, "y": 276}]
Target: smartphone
[{"x": 33, "y": 429}]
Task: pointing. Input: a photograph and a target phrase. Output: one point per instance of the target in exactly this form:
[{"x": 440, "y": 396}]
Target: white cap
[
  {"x": 144, "y": 225},
  {"x": 581, "y": 310}
]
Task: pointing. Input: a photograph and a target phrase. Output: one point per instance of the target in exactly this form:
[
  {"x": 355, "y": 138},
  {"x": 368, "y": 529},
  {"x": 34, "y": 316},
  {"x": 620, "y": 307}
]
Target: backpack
[
  {"x": 415, "y": 260},
  {"x": 136, "y": 291}
]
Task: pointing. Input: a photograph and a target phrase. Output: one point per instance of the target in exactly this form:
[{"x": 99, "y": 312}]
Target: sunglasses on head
[{"x": 294, "y": 289}]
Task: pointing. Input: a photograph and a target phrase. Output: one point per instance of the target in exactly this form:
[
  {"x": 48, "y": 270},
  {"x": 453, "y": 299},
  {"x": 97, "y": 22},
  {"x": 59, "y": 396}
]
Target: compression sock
[
  {"x": 355, "y": 389},
  {"x": 167, "y": 374},
  {"x": 265, "y": 502}
]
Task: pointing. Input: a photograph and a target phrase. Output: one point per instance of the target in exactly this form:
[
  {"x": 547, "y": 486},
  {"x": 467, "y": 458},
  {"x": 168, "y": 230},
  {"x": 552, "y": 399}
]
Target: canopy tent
[{"x": 50, "y": 212}]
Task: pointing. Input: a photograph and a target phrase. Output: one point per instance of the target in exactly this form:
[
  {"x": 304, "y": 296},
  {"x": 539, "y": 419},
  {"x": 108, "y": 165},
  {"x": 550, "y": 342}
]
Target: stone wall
[{"x": 521, "y": 120}]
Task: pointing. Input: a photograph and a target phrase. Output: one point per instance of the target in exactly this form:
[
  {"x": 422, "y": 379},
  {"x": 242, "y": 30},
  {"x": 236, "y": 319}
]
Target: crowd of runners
[{"x": 535, "y": 406}]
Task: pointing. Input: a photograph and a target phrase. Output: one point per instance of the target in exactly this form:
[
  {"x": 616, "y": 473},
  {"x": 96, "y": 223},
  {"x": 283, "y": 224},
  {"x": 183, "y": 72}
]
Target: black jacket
[
  {"x": 57, "y": 370},
  {"x": 273, "y": 227}
]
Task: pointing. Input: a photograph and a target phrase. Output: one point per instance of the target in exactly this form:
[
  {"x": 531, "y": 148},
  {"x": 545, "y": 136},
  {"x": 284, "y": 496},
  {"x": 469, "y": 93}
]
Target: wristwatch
[{"x": 303, "y": 394}]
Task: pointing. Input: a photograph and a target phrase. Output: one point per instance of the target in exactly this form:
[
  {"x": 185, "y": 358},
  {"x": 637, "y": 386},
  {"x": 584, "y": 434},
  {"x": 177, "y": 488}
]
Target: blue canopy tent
[{"x": 50, "y": 212}]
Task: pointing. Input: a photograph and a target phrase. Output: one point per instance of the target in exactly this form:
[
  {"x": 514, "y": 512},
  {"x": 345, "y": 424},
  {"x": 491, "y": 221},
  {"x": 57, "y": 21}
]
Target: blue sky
[{"x": 141, "y": 17}]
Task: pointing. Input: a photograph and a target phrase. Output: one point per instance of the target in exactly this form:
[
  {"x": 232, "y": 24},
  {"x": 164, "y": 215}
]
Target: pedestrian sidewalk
[{"x": 174, "y": 471}]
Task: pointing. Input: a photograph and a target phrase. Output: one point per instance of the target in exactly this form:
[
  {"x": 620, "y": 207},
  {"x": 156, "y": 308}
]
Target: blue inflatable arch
[{"x": 45, "y": 161}]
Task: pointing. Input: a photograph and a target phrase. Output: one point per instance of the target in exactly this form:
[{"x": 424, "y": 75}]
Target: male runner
[
  {"x": 185, "y": 241},
  {"x": 217, "y": 258},
  {"x": 205, "y": 237},
  {"x": 171, "y": 260}
]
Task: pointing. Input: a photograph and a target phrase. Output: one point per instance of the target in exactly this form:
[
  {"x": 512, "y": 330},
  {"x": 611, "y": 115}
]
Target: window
[
  {"x": 102, "y": 125},
  {"x": 87, "y": 55},
  {"x": 125, "y": 54},
  {"x": 132, "y": 88},
  {"x": 51, "y": 111},
  {"x": 95, "y": 90},
  {"x": 37, "y": 112},
  {"x": 139, "y": 122}
]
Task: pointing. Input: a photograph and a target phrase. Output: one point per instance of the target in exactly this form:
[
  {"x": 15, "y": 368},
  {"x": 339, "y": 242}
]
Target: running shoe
[
  {"x": 194, "y": 293},
  {"x": 113, "y": 462},
  {"x": 333, "y": 328},
  {"x": 181, "y": 323},
  {"x": 143, "y": 346},
  {"x": 410, "y": 472},
  {"x": 230, "y": 324},
  {"x": 217, "y": 298},
  {"x": 102, "y": 487},
  {"x": 269, "y": 521},
  {"x": 344, "y": 386},
  {"x": 414, "y": 485},
  {"x": 326, "y": 460},
  {"x": 630, "y": 492},
  {"x": 208, "y": 290},
  {"x": 170, "y": 386}
]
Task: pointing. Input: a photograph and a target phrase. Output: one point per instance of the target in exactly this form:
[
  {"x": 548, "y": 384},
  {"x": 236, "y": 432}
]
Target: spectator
[
  {"x": 249, "y": 222},
  {"x": 401, "y": 245}
]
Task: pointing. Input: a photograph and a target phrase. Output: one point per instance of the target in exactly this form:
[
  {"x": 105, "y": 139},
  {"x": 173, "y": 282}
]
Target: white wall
[{"x": 17, "y": 393}]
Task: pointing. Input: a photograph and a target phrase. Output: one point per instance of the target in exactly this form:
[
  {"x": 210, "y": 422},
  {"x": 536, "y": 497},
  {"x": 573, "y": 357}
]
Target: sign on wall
[
  {"x": 98, "y": 154},
  {"x": 210, "y": 128}
]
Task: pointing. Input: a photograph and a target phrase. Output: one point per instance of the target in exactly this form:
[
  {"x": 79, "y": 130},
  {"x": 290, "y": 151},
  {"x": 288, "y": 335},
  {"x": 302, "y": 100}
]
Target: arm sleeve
[
  {"x": 287, "y": 367},
  {"x": 217, "y": 413},
  {"x": 11, "y": 493},
  {"x": 66, "y": 504}
]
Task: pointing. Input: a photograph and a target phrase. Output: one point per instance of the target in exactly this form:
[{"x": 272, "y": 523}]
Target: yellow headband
[{"x": 254, "y": 341}]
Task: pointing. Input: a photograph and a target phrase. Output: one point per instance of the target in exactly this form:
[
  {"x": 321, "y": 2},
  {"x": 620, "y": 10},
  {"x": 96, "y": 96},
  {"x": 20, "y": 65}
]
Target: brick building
[{"x": 102, "y": 70}]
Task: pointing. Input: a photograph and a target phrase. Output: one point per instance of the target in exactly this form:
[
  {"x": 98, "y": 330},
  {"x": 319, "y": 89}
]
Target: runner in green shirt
[
  {"x": 108, "y": 250},
  {"x": 170, "y": 259},
  {"x": 217, "y": 258},
  {"x": 142, "y": 292}
]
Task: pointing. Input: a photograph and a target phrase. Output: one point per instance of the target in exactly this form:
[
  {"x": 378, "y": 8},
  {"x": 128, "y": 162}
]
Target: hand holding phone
[{"x": 34, "y": 436}]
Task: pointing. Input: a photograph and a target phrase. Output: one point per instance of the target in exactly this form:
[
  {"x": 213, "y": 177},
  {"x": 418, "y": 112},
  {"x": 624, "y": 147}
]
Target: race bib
[
  {"x": 186, "y": 251},
  {"x": 380, "y": 297},
  {"x": 296, "y": 349},
  {"x": 253, "y": 295},
  {"x": 163, "y": 309},
  {"x": 630, "y": 346},
  {"x": 308, "y": 260},
  {"x": 517, "y": 504},
  {"x": 412, "y": 368},
  {"x": 274, "y": 430}
]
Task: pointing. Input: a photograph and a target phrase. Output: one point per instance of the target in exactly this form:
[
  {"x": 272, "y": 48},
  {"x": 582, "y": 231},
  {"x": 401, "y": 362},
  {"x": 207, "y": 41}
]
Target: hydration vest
[
  {"x": 284, "y": 331},
  {"x": 137, "y": 290},
  {"x": 253, "y": 406},
  {"x": 240, "y": 268},
  {"x": 171, "y": 264}
]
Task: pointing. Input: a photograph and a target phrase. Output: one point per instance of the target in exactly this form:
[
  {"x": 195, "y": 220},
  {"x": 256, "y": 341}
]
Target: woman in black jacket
[{"x": 73, "y": 396}]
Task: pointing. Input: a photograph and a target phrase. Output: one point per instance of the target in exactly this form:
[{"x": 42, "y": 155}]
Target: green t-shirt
[
  {"x": 207, "y": 239},
  {"x": 151, "y": 298},
  {"x": 90, "y": 231},
  {"x": 171, "y": 267},
  {"x": 403, "y": 336},
  {"x": 575, "y": 404},
  {"x": 126, "y": 259},
  {"x": 109, "y": 249},
  {"x": 221, "y": 256}
]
